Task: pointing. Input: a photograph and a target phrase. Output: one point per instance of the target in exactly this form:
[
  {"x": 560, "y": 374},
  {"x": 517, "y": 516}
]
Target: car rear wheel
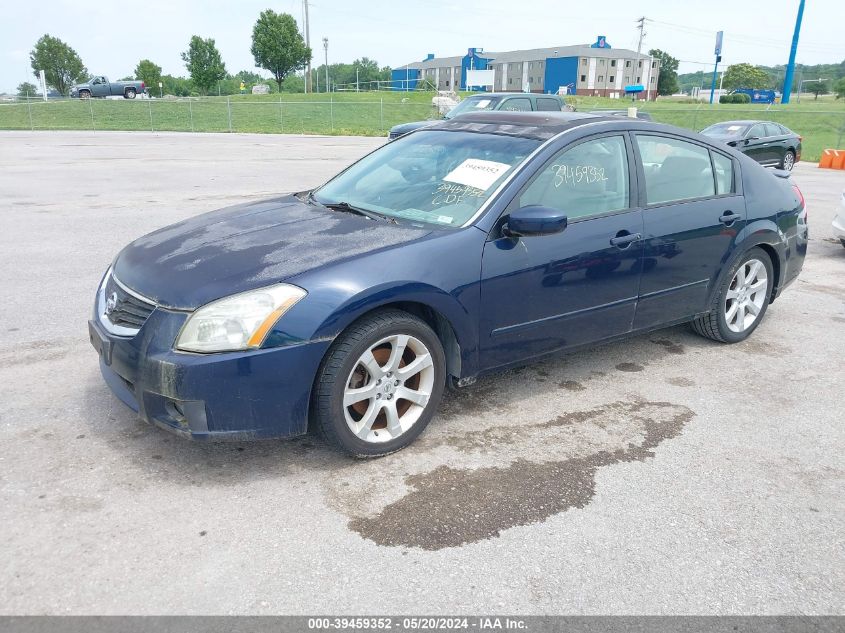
[
  {"x": 788, "y": 160},
  {"x": 741, "y": 302},
  {"x": 380, "y": 384},
  {"x": 130, "y": 93}
]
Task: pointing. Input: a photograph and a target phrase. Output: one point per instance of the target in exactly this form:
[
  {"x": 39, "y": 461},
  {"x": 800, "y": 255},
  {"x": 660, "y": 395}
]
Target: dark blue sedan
[{"x": 469, "y": 246}]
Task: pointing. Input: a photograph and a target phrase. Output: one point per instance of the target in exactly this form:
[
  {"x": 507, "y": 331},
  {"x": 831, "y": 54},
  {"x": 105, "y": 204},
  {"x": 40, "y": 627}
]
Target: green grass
[{"x": 821, "y": 123}]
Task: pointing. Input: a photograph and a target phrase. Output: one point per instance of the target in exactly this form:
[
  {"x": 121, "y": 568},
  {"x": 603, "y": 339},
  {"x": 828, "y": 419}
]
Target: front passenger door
[{"x": 544, "y": 293}]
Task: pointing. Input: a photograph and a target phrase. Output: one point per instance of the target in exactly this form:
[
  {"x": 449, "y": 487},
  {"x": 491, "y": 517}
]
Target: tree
[
  {"x": 817, "y": 88},
  {"x": 27, "y": 89},
  {"x": 60, "y": 63},
  {"x": 149, "y": 73},
  {"x": 667, "y": 79},
  {"x": 745, "y": 76},
  {"x": 277, "y": 45},
  {"x": 839, "y": 88},
  {"x": 203, "y": 61}
]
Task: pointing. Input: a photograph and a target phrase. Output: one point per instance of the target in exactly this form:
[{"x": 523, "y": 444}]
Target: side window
[
  {"x": 724, "y": 174},
  {"x": 674, "y": 169},
  {"x": 518, "y": 104},
  {"x": 586, "y": 180},
  {"x": 757, "y": 131},
  {"x": 773, "y": 129},
  {"x": 548, "y": 105}
]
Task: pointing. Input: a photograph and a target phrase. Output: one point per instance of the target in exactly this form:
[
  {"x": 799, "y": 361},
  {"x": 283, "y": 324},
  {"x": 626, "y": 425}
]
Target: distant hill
[{"x": 832, "y": 72}]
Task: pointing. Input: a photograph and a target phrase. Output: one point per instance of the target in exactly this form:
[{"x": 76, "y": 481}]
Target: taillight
[
  {"x": 801, "y": 201},
  {"x": 143, "y": 85},
  {"x": 800, "y": 138}
]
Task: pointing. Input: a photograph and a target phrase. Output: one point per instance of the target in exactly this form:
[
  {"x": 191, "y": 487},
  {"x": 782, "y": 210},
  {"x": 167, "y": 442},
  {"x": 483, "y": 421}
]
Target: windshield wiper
[{"x": 348, "y": 208}]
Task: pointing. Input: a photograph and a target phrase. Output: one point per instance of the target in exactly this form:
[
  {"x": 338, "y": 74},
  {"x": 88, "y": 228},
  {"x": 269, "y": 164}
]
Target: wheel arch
[{"x": 764, "y": 241}]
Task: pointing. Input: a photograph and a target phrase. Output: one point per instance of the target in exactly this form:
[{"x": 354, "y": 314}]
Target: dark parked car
[
  {"x": 507, "y": 101},
  {"x": 479, "y": 243},
  {"x": 770, "y": 144}
]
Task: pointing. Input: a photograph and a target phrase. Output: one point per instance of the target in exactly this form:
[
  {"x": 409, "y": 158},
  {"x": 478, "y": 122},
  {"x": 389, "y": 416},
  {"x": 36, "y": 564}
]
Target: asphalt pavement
[{"x": 663, "y": 475}]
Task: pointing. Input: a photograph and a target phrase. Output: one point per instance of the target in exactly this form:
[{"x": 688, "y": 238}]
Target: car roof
[
  {"x": 743, "y": 122},
  {"x": 536, "y": 125},
  {"x": 491, "y": 95}
]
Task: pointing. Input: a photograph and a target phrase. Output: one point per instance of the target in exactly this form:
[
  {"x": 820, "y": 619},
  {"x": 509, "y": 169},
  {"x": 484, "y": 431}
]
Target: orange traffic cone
[{"x": 838, "y": 160}]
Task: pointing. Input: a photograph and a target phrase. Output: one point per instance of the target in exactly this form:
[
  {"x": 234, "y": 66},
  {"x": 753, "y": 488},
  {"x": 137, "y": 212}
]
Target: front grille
[{"x": 124, "y": 309}]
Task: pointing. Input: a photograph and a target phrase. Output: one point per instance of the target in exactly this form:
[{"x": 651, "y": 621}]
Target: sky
[{"x": 111, "y": 36}]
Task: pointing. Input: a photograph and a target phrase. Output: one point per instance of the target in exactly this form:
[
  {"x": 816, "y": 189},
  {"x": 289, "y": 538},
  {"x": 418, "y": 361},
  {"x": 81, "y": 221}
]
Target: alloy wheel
[
  {"x": 388, "y": 388},
  {"x": 788, "y": 161},
  {"x": 746, "y": 295}
]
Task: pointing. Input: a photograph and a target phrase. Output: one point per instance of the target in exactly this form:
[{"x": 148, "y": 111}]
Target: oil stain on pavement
[{"x": 452, "y": 505}]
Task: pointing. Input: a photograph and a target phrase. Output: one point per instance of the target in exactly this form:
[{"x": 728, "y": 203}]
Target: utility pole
[
  {"x": 326, "y": 50},
  {"x": 641, "y": 23},
  {"x": 307, "y": 42},
  {"x": 790, "y": 68}
]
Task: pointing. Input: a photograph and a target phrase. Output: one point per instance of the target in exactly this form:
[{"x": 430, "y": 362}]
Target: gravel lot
[{"x": 667, "y": 474}]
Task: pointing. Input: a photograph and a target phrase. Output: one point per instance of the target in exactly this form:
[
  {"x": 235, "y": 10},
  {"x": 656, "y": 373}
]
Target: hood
[{"x": 240, "y": 248}]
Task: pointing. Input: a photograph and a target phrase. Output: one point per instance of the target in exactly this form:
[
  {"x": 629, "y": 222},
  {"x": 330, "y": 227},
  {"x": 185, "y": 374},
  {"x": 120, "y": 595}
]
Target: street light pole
[{"x": 326, "y": 50}]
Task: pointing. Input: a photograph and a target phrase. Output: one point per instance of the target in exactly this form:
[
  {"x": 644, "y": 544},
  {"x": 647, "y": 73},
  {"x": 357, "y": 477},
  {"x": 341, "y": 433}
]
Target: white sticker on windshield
[
  {"x": 481, "y": 103},
  {"x": 734, "y": 128},
  {"x": 474, "y": 172},
  {"x": 445, "y": 219}
]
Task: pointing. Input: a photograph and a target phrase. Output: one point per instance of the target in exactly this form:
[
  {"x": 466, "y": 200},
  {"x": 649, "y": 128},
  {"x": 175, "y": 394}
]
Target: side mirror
[{"x": 534, "y": 220}]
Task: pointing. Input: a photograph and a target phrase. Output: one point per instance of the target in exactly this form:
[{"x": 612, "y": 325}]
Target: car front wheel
[
  {"x": 742, "y": 300},
  {"x": 380, "y": 384}
]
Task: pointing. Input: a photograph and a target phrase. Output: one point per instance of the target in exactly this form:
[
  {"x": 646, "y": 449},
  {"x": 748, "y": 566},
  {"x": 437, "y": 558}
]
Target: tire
[
  {"x": 84, "y": 94},
  {"x": 788, "y": 160},
  {"x": 729, "y": 324},
  {"x": 129, "y": 94},
  {"x": 358, "y": 405}
]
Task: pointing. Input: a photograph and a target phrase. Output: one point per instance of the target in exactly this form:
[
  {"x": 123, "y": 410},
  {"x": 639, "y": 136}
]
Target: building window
[
  {"x": 510, "y": 81},
  {"x": 640, "y": 64},
  {"x": 601, "y": 62},
  {"x": 638, "y": 80},
  {"x": 654, "y": 64},
  {"x": 447, "y": 83},
  {"x": 583, "y": 61},
  {"x": 612, "y": 78},
  {"x": 601, "y": 78},
  {"x": 652, "y": 80},
  {"x": 613, "y": 63},
  {"x": 583, "y": 78},
  {"x": 628, "y": 64}
]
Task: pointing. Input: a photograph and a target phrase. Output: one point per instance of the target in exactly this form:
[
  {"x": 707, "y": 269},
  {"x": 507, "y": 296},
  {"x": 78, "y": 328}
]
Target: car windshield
[
  {"x": 473, "y": 104},
  {"x": 436, "y": 177},
  {"x": 725, "y": 129}
]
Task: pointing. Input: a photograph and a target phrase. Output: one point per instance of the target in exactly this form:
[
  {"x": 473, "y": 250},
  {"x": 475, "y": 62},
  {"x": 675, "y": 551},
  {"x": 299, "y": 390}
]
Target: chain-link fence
[
  {"x": 372, "y": 116},
  {"x": 365, "y": 114}
]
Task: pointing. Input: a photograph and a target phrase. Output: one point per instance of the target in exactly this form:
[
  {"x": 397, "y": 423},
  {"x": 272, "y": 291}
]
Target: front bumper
[{"x": 234, "y": 395}]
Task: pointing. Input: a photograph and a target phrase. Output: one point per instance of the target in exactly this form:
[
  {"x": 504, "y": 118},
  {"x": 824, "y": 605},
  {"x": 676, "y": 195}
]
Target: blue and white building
[{"x": 588, "y": 69}]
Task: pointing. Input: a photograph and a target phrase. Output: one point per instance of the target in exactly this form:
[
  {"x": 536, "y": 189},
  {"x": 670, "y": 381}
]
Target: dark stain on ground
[
  {"x": 680, "y": 381},
  {"x": 629, "y": 367},
  {"x": 671, "y": 346},
  {"x": 839, "y": 319},
  {"x": 449, "y": 507},
  {"x": 572, "y": 385}
]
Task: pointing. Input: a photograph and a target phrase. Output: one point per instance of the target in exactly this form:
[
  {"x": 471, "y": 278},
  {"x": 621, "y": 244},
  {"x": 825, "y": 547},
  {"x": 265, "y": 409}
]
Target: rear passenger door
[{"x": 693, "y": 211}]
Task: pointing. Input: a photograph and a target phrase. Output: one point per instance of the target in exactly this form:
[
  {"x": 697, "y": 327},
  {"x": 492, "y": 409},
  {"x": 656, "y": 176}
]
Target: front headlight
[{"x": 239, "y": 322}]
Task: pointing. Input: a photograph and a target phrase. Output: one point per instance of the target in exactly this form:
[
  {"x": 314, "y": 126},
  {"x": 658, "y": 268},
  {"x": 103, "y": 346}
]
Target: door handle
[
  {"x": 729, "y": 217},
  {"x": 624, "y": 239}
]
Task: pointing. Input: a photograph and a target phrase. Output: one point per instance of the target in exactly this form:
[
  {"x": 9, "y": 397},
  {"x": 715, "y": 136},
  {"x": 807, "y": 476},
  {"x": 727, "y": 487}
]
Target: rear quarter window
[
  {"x": 518, "y": 104},
  {"x": 548, "y": 105}
]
